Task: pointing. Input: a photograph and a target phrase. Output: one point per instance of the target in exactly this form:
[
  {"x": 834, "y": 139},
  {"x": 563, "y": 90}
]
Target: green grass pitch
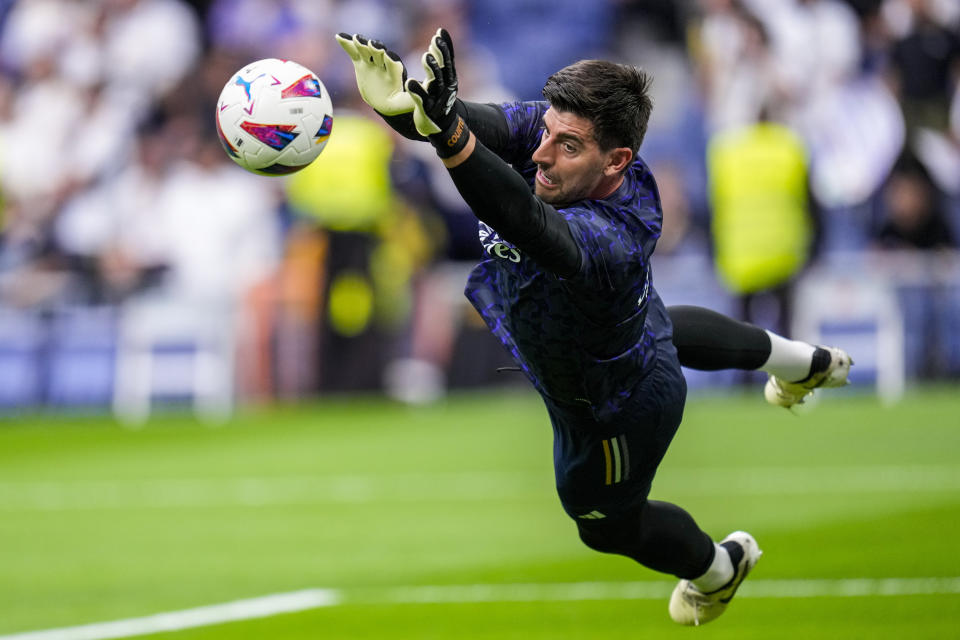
[{"x": 376, "y": 501}]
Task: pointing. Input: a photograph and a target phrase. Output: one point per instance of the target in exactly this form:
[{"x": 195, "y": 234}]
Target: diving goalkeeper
[{"x": 569, "y": 217}]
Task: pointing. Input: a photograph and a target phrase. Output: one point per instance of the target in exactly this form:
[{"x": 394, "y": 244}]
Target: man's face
[{"x": 571, "y": 165}]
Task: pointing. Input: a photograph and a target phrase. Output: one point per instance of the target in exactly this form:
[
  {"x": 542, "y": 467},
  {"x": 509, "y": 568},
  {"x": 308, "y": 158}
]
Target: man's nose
[{"x": 541, "y": 155}]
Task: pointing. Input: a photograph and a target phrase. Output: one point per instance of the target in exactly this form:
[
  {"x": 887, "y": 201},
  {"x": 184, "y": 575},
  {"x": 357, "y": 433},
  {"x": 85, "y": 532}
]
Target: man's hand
[
  {"x": 434, "y": 100},
  {"x": 380, "y": 74}
]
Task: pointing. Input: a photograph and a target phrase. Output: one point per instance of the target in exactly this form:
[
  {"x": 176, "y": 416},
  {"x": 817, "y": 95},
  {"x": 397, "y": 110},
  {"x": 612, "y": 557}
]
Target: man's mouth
[{"x": 545, "y": 180}]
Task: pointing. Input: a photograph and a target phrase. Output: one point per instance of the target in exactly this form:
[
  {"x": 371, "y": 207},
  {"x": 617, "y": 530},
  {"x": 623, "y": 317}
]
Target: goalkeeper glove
[
  {"x": 380, "y": 74},
  {"x": 434, "y": 114}
]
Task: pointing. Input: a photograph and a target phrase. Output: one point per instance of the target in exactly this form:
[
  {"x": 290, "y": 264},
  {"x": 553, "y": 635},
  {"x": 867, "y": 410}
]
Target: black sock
[
  {"x": 735, "y": 551},
  {"x": 819, "y": 363},
  {"x": 736, "y": 555}
]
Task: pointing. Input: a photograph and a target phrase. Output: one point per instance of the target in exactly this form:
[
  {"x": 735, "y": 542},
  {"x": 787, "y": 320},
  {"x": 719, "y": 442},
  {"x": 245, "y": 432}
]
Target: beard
[{"x": 563, "y": 192}]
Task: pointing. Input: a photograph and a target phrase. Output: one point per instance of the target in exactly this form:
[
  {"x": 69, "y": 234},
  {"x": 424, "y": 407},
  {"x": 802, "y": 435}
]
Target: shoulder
[
  {"x": 637, "y": 199},
  {"x": 524, "y": 125},
  {"x": 525, "y": 113}
]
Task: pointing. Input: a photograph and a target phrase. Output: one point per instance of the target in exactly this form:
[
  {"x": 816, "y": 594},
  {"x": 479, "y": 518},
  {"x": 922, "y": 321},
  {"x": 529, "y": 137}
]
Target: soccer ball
[{"x": 274, "y": 117}]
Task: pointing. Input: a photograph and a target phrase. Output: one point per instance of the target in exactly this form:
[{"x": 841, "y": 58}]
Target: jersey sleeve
[{"x": 525, "y": 128}]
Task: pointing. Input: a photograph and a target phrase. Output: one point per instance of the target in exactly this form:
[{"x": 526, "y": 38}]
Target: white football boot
[
  {"x": 692, "y": 607},
  {"x": 781, "y": 393}
]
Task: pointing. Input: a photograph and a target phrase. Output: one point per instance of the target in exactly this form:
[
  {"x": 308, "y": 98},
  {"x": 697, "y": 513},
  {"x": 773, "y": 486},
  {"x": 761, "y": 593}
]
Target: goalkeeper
[{"x": 569, "y": 216}]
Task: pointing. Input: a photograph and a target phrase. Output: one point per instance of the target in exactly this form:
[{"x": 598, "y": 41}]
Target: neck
[{"x": 607, "y": 185}]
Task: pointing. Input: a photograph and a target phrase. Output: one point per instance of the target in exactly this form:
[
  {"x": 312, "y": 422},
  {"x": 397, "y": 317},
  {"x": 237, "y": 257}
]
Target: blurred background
[{"x": 807, "y": 153}]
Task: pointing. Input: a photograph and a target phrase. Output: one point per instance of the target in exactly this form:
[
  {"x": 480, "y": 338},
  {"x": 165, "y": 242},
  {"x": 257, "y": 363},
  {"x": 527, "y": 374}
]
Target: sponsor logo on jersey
[{"x": 493, "y": 246}]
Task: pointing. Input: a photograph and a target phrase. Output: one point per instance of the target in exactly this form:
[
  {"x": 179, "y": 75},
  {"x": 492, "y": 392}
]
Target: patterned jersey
[{"x": 588, "y": 339}]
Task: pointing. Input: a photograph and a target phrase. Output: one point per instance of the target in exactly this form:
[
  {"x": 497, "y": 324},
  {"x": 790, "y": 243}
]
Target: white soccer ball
[{"x": 274, "y": 117}]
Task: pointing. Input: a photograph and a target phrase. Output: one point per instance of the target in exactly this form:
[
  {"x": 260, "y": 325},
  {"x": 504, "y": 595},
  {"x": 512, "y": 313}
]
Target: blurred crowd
[{"x": 786, "y": 133}]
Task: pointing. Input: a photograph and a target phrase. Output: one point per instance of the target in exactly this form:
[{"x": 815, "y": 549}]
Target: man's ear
[{"x": 618, "y": 160}]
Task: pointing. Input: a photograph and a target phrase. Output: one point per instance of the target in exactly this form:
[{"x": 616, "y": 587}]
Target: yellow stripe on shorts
[
  {"x": 606, "y": 455},
  {"x": 617, "y": 460}
]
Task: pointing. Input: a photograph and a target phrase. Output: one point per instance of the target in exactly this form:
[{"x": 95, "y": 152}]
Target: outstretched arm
[
  {"x": 496, "y": 193},
  {"x": 486, "y": 121}
]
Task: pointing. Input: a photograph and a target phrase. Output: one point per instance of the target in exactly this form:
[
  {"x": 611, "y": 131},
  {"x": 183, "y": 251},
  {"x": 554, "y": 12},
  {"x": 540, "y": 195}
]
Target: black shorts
[{"x": 606, "y": 469}]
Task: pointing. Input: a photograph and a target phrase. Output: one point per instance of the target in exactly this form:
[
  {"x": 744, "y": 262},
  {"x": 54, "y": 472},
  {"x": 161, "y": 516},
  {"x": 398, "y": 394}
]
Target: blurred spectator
[
  {"x": 83, "y": 76},
  {"x": 762, "y": 224},
  {"x": 181, "y": 208},
  {"x": 371, "y": 246},
  {"x": 924, "y": 63},
  {"x": 924, "y": 68},
  {"x": 731, "y": 47},
  {"x": 914, "y": 216},
  {"x": 815, "y": 46}
]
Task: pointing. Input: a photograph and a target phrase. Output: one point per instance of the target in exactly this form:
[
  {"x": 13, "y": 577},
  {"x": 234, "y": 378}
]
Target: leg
[
  {"x": 604, "y": 472},
  {"x": 659, "y": 535},
  {"x": 710, "y": 341},
  {"x": 663, "y": 537}
]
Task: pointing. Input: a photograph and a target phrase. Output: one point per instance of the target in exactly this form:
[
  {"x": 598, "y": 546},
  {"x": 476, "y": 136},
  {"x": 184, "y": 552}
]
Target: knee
[
  {"x": 609, "y": 535},
  {"x": 593, "y": 536}
]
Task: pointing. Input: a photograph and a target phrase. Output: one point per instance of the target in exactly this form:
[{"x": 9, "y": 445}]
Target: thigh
[{"x": 605, "y": 470}]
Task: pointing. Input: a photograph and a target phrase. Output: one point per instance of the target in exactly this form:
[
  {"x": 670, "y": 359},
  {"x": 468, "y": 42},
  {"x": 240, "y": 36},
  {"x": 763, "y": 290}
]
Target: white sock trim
[
  {"x": 719, "y": 573},
  {"x": 789, "y": 360}
]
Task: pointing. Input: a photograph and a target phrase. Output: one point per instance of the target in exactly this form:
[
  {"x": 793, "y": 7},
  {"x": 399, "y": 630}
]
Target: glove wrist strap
[{"x": 452, "y": 139}]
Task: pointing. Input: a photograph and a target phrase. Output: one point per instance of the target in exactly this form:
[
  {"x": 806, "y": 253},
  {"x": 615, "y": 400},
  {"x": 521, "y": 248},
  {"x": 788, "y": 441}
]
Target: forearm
[
  {"x": 403, "y": 124},
  {"x": 500, "y": 197},
  {"x": 485, "y": 120}
]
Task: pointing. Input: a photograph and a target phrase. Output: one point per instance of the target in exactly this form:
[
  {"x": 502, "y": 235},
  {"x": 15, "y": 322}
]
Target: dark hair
[{"x": 613, "y": 97}]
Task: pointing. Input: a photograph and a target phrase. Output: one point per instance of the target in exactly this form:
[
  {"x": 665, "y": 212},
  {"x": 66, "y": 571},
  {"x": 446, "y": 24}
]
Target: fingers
[
  {"x": 392, "y": 55},
  {"x": 434, "y": 49},
  {"x": 430, "y": 68},
  {"x": 379, "y": 50},
  {"x": 447, "y": 44},
  {"x": 434, "y": 66},
  {"x": 356, "y": 46},
  {"x": 374, "y": 52},
  {"x": 416, "y": 89},
  {"x": 446, "y": 58},
  {"x": 368, "y": 54},
  {"x": 441, "y": 48},
  {"x": 360, "y": 49},
  {"x": 345, "y": 40}
]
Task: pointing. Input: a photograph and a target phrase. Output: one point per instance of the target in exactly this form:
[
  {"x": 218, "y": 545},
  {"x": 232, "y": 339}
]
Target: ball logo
[
  {"x": 276, "y": 136},
  {"x": 306, "y": 87},
  {"x": 325, "y": 130}
]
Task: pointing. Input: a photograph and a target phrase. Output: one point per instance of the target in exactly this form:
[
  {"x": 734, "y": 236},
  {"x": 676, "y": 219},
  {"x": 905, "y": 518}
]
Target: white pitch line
[
  {"x": 653, "y": 590},
  {"x": 248, "y": 609},
  {"x": 477, "y": 593}
]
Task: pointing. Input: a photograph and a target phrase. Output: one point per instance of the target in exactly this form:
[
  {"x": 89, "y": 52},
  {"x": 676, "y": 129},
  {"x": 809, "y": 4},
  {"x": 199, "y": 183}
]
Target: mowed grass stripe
[
  {"x": 427, "y": 487},
  {"x": 307, "y": 599}
]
